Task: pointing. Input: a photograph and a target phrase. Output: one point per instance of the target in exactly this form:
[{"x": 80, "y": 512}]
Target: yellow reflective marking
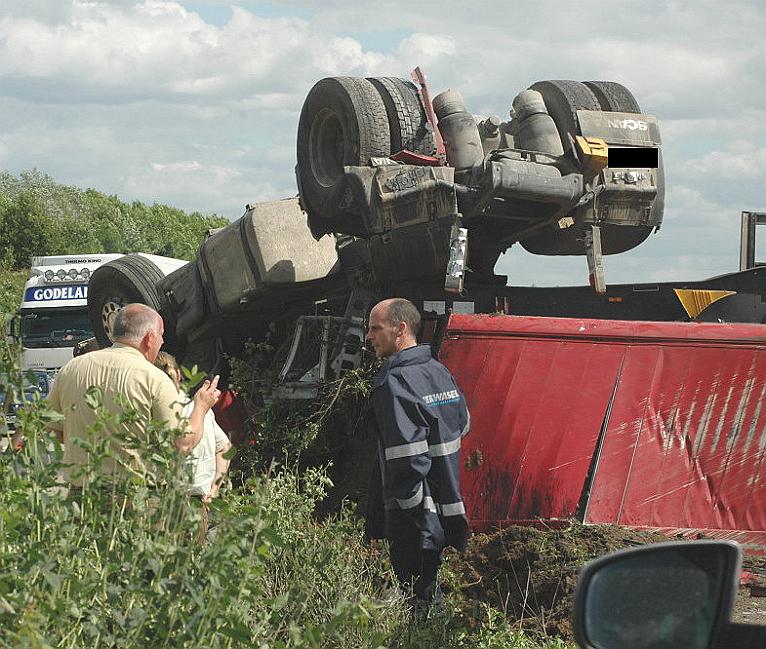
[
  {"x": 695, "y": 301},
  {"x": 595, "y": 152}
]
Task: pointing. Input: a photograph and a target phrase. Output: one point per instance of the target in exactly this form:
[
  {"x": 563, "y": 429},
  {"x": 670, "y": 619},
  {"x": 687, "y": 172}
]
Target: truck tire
[
  {"x": 343, "y": 122},
  {"x": 122, "y": 281},
  {"x": 407, "y": 121},
  {"x": 563, "y": 99},
  {"x": 613, "y": 96}
]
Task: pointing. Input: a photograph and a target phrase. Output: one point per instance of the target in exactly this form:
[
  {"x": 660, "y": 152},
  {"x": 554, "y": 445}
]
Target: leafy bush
[
  {"x": 41, "y": 217},
  {"x": 285, "y": 430},
  {"x": 121, "y": 564},
  {"x": 11, "y": 286}
]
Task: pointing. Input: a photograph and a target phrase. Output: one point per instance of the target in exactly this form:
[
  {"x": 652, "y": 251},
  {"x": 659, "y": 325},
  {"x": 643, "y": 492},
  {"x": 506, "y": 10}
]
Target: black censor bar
[{"x": 642, "y": 157}]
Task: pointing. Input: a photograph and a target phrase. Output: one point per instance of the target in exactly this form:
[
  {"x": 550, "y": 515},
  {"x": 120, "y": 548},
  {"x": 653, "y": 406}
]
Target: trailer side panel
[{"x": 645, "y": 424}]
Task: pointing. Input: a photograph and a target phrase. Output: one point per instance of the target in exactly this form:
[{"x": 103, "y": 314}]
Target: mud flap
[{"x": 592, "y": 241}]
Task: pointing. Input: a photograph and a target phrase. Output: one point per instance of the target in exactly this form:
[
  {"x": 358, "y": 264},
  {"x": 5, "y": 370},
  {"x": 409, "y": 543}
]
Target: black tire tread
[
  {"x": 374, "y": 138},
  {"x": 407, "y": 121},
  {"x": 364, "y": 120},
  {"x": 563, "y": 98},
  {"x": 613, "y": 96},
  {"x": 144, "y": 274},
  {"x": 132, "y": 274}
]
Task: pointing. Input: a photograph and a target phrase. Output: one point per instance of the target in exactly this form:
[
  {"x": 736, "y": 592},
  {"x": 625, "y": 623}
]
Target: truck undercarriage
[{"x": 404, "y": 196}]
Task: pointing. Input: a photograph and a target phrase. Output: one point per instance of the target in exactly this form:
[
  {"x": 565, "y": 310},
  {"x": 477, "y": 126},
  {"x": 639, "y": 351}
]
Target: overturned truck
[{"x": 403, "y": 195}]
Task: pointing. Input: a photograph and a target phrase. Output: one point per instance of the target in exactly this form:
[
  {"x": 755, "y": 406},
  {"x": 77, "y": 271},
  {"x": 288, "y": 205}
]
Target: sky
[{"x": 196, "y": 104}]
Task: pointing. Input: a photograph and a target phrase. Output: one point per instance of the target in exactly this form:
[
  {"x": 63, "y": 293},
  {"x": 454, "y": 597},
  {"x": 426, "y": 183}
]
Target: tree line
[{"x": 39, "y": 216}]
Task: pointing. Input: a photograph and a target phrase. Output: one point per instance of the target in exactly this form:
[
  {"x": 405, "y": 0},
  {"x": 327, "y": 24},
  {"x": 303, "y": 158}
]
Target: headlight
[{"x": 48, "y": 275}]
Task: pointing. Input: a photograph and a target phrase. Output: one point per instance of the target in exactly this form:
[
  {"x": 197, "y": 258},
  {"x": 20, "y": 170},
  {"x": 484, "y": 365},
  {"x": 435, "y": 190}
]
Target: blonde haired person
[{"x": 209, "y": 466}]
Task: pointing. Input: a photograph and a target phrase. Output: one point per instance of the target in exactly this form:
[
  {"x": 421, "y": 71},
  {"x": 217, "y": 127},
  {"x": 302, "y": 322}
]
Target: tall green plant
[
  {"x": 11, "y": 287},
  {"x": 286, "y": 430},
  {"x": 25, "y": 230},
  {"x": 39, "y": 216},
  {"x": 121, "y": 564}
]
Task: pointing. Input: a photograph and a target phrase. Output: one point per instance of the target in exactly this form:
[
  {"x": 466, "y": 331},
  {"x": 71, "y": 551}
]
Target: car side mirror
[{"x": 661, "y": 596}]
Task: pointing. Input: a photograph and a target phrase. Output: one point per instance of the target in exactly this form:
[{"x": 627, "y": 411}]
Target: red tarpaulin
[{"x": 647, "y": 424}]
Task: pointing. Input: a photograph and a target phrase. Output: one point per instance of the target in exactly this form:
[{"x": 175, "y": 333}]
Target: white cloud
[
  {"x": 183, "y": 166},
  {"x": 160, "y": 181},
  {"x": 157, "y": 101},
  {"x": 347, "y": 54},
  {"x": 744, "y": 121},
  {"x": 213, "y": 174},
  {"x": 426, "y": 48},
  {"x": 160, "y": 49},
  {"x": 744, "y": 161}
]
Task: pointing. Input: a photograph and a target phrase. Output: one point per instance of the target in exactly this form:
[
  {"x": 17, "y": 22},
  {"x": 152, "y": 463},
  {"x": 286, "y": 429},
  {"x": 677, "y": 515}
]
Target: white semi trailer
[{"x": 53, "y": 316}]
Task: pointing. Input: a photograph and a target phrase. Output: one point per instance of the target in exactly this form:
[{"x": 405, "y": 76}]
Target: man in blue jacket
[{"x": 420, "y": 417}]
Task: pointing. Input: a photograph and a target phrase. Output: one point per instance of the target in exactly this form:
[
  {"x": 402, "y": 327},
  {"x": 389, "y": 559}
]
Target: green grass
[{"x": 122, "y": 566}]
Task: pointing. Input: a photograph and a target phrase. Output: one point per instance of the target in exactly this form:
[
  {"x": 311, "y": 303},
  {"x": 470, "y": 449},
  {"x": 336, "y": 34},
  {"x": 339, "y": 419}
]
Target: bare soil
[
  {"x": 750, "y": 605},
  {"x": 749, "y": 609},
  {"x": 527, "y": 573},
  {"x": 530, "y": 574}
]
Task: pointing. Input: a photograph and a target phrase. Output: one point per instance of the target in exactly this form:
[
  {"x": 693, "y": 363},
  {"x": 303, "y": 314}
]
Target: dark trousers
[{"x": 416, "y": 569}]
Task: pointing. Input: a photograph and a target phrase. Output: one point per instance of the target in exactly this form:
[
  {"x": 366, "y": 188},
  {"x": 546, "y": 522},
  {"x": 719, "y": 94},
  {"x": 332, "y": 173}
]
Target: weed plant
[
  {"x": 307, "y": 431},
  {"x": 121, "y": 563}
]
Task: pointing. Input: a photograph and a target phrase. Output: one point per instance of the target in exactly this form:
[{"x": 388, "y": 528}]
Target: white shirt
[{"x": 202, "y": 457}]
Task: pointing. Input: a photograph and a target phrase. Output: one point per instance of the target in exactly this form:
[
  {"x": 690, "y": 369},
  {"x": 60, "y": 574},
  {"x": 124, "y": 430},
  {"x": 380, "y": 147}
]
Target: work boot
[{"x": 432, "y": 604}]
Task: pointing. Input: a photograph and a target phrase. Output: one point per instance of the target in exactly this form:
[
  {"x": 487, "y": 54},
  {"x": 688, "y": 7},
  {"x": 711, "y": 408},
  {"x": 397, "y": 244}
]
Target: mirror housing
[{"x": 659, "y": 596}]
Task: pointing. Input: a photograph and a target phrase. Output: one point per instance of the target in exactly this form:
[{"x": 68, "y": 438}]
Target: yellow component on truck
[
  {"x": 595, "y": 152},
  {"x": 695, "y": 301}
]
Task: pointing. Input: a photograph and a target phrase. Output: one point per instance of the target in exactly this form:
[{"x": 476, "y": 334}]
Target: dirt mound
[{"x": 530, "y": 574}]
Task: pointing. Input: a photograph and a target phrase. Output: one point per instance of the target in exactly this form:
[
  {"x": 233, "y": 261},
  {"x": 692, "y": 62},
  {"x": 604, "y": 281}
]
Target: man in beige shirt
[{"x": 124, "y": 372}]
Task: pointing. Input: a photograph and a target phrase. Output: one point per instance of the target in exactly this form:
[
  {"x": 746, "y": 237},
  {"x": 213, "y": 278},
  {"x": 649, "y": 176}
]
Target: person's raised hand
[{"x": 208, "y": 394}]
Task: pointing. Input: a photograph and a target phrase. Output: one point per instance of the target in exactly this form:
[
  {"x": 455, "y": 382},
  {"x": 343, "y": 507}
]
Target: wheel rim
[
  {"x": 110, "y": 308},
  {"x": 326, "y": 148}
]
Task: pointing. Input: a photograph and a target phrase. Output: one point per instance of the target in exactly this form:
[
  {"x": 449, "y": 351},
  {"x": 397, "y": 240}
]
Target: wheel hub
[
  {"x": 110, "y": 308},
  {"x": 327, "y": 148}
]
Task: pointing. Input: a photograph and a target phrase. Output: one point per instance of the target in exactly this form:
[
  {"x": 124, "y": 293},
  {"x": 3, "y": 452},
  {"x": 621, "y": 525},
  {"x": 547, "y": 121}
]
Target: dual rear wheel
[
  {"x": 563, "y": 98},
  {"x": 347, "y": 121}
]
